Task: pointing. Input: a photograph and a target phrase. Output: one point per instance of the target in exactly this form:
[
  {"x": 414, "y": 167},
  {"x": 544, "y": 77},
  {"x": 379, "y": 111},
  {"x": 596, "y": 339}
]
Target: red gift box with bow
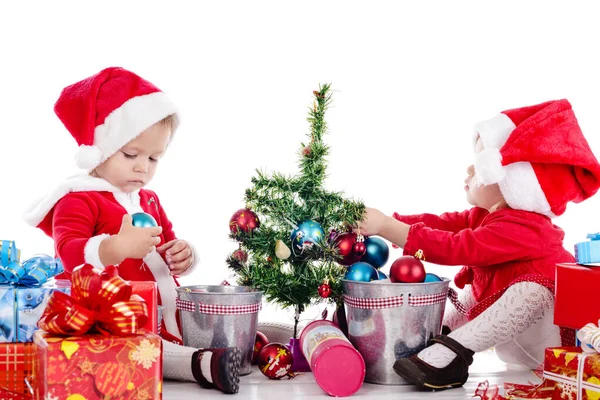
[
  {"x": 16, "y": 365},
  {"x": 92, "y": 344}
]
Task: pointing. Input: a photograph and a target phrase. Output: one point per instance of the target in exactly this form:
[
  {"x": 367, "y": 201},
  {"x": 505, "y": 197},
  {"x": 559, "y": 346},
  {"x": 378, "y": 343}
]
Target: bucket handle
[
  {"x": 460, "y": 307},
  {"x": 218, "y": 309}
]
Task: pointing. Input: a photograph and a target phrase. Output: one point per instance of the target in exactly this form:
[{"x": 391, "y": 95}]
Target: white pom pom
[
  {"x": 88, "y": 157},
  {"x": 488, "y": 166}
]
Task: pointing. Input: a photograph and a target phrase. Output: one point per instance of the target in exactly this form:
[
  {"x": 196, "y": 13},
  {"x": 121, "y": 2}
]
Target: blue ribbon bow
[
  {"x": 594, "y": 236},
  {"x": 33, "y": 272}
]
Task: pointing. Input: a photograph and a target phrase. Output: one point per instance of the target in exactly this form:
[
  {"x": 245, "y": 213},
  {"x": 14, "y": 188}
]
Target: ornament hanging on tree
[
  {"x": 345, "y": 245},
  {"x": 359, "y": 247},
  {"x": 240, "y": 255},
  {"x": 361, "y": 272},
  {"x": 306, "y": 150},
  {"x": 243, "y": 220},
  {"x": 260, "y": 342},
  {"x": 305, "y": 236},
  {"x": 281, "y": 250},
  {"x": 377, "y": 252},
  {"x": 333, "y": 234},
  {"x": 275, "y": 361},
  {"x": 143, "y": 220},
  {"x": 324, "y": 289},
  {"x": 408, "y": 269}
]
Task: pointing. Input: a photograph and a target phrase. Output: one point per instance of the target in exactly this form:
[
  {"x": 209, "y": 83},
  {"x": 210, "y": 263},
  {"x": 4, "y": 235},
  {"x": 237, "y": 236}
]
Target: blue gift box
[
  {"x": 588, "y": 252},
  {"x": 25, "y": 289},
  {"x": 21, "y": 308}
]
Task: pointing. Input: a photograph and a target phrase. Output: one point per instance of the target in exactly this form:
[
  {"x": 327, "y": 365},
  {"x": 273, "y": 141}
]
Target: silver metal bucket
[
  {"x": 387, "y": 321},
  {"x": 220, "y": 316}
]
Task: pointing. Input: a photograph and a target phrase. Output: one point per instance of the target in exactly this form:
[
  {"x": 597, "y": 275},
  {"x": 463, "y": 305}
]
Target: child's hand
[
  {"x": 179, "y": 256},
  {"x": 371, "y": 223},
  {"x": 136, "y": 242}
]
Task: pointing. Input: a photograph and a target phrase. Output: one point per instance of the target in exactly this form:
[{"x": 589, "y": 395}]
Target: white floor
[{"x": 256, "y": 386}]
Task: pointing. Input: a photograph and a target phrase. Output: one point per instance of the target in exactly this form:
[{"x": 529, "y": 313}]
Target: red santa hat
[
  {"x": 538, "y": 156},
  {"x": 106, "y": 111}
]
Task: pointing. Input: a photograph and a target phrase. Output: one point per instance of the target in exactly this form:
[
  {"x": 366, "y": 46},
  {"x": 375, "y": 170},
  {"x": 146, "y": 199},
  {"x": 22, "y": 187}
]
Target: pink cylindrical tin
[{"x": 338, "y": 367}]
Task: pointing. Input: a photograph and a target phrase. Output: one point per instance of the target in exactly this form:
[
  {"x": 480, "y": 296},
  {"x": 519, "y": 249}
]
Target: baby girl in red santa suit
[
  {"x": 529, "y": 163},
  {"x": 123, "y": 125}
]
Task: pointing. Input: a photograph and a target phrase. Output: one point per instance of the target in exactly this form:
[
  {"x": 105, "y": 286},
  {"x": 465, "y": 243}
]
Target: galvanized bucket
[
  {"x": 387, "y": 321},
  {"x": 220, "y": 316}
]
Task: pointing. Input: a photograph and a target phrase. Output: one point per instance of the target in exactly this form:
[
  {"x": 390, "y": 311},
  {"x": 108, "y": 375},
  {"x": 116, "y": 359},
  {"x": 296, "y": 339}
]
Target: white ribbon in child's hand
[{"x": 589, "y": 336}]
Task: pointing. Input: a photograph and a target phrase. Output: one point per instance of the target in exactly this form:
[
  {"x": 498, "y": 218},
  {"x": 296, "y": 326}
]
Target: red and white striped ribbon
[
  {"x": 218, "y": 309},
  {"x": 395, "y": 301}
]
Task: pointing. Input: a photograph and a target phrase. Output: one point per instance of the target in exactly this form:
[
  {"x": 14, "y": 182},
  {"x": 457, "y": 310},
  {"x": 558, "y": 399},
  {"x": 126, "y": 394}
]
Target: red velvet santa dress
[{"x": 83, "y": 211}]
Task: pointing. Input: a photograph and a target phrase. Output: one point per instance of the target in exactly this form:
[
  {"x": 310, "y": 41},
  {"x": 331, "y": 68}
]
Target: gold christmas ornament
[{"x": 281, "y": 250}]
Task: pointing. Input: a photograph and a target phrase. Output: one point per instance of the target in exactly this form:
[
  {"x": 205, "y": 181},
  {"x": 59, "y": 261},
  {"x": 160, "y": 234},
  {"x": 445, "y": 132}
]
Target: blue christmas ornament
[
  {"x": 429, "y": 277},
  {"x": 143, "y": 220},
  {"x": 305, "y": 236},
  {"x": 377, "y": 252},
  {"x": 361, "y": 272},
  {"x": 381, "y": 275}
]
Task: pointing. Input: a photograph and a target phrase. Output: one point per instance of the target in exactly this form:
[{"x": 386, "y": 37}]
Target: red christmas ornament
[
  {"x": 359, "y": 249},
  {"x": 275, "y": 361},
  {"x": 324, "y": 290},
  {"x": 240, "y": 255},
  {"x": 243, "y": 220},
  {"x": 345, "y": 242},
  {"x": 306, "y": 151},
  {"x": 408, "y": 269},
  {"x": 260, "y": 342}
]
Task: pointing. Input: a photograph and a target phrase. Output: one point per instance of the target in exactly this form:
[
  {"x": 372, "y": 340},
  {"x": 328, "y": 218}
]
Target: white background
[{"x": 410, "y": 81}]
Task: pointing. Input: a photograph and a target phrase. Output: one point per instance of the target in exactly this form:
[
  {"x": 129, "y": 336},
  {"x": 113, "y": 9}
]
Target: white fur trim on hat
[
  {"x": 128, "y": 121},
  {"x": 91, "y": 251},
  {"x": 488, "y": 166},
  {"x": 87, "y": 157},
  {"x": 522, "y": 191},
  {"x": 495, "y": 131}
]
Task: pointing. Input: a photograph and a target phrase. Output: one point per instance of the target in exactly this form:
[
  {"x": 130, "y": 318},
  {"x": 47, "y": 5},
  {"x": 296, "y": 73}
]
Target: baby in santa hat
[
  {"x": 529, "y": 163},
  {"x": 123, "y": 125}
]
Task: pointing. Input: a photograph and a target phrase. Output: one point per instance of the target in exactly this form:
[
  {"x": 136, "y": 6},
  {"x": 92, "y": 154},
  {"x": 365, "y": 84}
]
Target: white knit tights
[{"x": 523, "y": 305}]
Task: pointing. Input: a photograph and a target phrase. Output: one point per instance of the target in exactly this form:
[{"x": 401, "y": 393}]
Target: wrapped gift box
[
  {"x": 576, "y": 301},
  {"x": 588, "y": 252},
  {"x": 94, "y": 366},
  {"x": 16, "y": 366},
  {"x": 576, "y": 375},
  {"x": 148, "y": 290},
  {"x": 21, "y": 308}
]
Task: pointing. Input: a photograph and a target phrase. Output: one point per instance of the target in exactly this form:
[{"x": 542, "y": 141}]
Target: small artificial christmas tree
[{"x": 293, "y": 234}]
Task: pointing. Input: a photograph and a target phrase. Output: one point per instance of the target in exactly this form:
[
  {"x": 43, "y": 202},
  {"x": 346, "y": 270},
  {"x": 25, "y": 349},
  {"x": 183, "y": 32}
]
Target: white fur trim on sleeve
[
  {"x": 488, "y": 166},
  {"x": 167, "y": 289},
  {"x": 91, "y": 251},
  {"x": 495, "y": 131},
  {"x": 522, "y": 190}
]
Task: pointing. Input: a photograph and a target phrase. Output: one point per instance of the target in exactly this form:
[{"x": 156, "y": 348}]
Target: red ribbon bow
[{"x": 100, "y": 299}]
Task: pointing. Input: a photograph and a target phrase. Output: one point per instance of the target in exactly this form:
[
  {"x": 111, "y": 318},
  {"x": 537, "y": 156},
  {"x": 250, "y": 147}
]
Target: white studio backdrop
[{"x": 410, "y": 80}]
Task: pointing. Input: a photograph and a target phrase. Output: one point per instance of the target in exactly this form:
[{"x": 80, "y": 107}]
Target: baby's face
[
  {"x": 134, "y": 165},
  {"x": 484, "y": 196}
]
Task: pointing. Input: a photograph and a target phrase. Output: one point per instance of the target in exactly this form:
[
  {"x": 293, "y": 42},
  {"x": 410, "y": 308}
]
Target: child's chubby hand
[
  {"x": 136, "y": 242},
  {"x": 372, "y": 222},
  {"x": 179, "y": 256}
]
